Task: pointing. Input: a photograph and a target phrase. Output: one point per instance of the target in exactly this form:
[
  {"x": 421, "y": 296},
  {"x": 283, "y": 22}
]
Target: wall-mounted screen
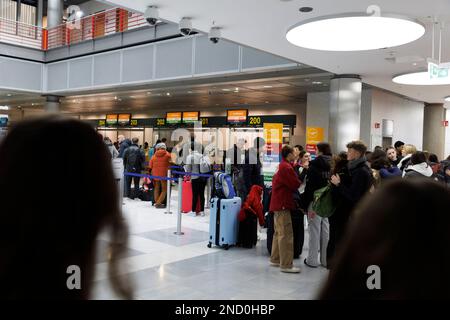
[
  {"x": 124, "y": 119},
  {"x": 173, "y": 118},
  {"x": 191, "y": 116},
  {"x": 111, "y": 119},
  {"x": 237, "y": 116}
]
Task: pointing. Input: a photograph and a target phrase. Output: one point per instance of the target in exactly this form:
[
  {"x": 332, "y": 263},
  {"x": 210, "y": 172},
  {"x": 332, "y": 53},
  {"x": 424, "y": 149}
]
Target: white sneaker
[
  {"x": 192, "y": 214},
  {"x": 273, "y": 264},
  {"x": 290, "y": 270},
  {"x": 202, "y": 214}
]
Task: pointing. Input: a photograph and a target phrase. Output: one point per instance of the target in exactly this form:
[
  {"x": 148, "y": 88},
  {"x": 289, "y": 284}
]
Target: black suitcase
[
  {"x": 248, "y": 230},
  {"x": 298, "y": 229},
  {"x": 146, "y": 195}
]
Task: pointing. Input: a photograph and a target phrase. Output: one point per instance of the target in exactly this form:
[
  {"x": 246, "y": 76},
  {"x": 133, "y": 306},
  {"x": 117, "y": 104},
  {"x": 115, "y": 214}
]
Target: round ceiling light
[
  {"x": 447, "y": 99},
  {"x": 354, "y": 32},
  {"x": 420, "y": 79}
]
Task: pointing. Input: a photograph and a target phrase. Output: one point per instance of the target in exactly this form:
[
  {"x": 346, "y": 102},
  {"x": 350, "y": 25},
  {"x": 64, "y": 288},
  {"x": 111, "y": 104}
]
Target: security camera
[
  {"x": 214, "y": 34},
  {"x": 152, "y": 15},
  {"x": 185, "y": 26}
]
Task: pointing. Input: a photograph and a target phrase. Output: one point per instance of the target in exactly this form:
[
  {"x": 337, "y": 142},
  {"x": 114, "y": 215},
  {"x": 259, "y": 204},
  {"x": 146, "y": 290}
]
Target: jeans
[
  {"x": 198, "y": 193},
  {"x": 283, "y": 240}
]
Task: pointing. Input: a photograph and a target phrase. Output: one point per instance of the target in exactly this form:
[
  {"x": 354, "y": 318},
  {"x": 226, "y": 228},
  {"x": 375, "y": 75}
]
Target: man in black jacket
[
  {"x": 253, "y": 164},
  {"x": 133, "y": 161},
  {"x": 317, "y": 177},
  {"x": 352, "y": 188}
]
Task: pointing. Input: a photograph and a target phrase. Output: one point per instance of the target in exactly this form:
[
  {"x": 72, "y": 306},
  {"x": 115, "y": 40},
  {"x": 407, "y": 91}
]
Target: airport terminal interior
[{"x": 160, "y": 73}]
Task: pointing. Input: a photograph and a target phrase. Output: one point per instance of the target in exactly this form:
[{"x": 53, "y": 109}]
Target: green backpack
[{"x": 323, "y": 204}]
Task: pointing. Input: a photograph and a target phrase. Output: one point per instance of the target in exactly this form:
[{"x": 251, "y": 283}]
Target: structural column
[
  {"x": 40, "y": 13},
  {"x": 345, "y": 110},
  {"x": 52, "y": 104},
  {"x": 54, "y": 13},
  {"x": 434, "y": 129}
]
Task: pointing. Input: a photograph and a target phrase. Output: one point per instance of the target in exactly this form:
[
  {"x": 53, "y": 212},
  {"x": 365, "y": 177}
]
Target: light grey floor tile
[{"x": 167, "y": 236}]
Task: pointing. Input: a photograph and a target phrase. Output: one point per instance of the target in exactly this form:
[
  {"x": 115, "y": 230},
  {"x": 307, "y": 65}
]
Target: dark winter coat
[
  {"x": 124, "y": 145},
  {"x": 360, "y": 182},
  {"x": 252, "y": 170},
  {"x": 134, "y": 159},
  {"x": 317, "y": 176}
]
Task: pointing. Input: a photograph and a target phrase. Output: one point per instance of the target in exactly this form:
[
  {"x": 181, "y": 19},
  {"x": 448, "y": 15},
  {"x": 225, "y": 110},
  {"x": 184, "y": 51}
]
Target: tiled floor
[{"x": 161, "y": 265}]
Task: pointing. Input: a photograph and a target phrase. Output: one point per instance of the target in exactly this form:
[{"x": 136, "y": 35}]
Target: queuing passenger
[
  {"x": 340, "y": 218},
  {"x": 350, "y": 189},
  {"x": 159, "y": 164},
  {"x": 419, "y": 167},
  {"x": 443, "y": 174},
  {"x": 133, "y": 161},
  {"x": 387, "y": 234},
  {"x": 152, "y": 151},
  {"x": 399, "y": 145},
  {"x": 298, "y": 153},
  {"x": 192, "y": 165},
  {"x": 318, "y": 175},
  {"x": 112, "y": 150},
  {"x": 146, "y": 150},
  {"x": 392, "y": 156},
  {"x": 434, "y": 162},
  {"x": 252, "y": 169},
  {"x": 123, "y": 145},
  {"x": 407, "y": 151},
  {"x": 55, "y": 228},
  {"x": 284, "y": 183},
  {"x": 234, "y": 160},
  {"x": 382, "y": 168}
]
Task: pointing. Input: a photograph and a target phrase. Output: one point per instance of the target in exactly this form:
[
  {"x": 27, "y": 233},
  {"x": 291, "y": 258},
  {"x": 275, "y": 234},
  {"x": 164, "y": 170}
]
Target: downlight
[
  {"x": 420, "y": 79},
  {"x": 354, "y": 32},
  {"x": 447, "y": 99}
]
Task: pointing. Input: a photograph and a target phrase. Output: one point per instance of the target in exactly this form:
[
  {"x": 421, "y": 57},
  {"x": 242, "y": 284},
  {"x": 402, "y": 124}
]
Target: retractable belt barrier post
[
  {"x": 169, "y": 188},
  {"x": 180, "y": 200},
  {"x": 208, "y": 193},
  {"x": 118, "y": 170}
]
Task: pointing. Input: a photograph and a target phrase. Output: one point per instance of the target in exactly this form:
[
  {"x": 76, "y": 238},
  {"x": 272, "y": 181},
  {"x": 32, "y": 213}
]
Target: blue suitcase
[{"x": 224, "y": 223}]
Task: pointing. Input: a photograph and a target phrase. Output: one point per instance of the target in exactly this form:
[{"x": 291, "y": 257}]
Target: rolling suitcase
[
  {"x": 224, "y": 223},
  {"x": 248, "y": 230}
]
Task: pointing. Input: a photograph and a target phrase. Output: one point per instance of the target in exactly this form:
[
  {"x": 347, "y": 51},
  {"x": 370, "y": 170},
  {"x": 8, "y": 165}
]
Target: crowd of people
[
  {"x": 349, "y": 177},
  {"x": 390, "y": 206}
]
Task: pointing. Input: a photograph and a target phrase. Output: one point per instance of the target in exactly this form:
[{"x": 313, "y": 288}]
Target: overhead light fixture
[
  {"x": 115, "y": 98},
  {"x": 316, "y": 82},
  {"x": 9, "y": 94},
  {"x": 268, "y": 86},
  {"x": 4, "y": 107},
  {"x": 167, "y": 93},
  {"x": 420, "y": 79},
  {"x": 225, "y": 89},
  {"x": 354, "y": 32},
  {"x": 447, "y": 99}
]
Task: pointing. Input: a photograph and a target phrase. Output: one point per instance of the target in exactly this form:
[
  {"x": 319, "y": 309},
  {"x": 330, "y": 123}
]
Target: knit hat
[{"x": 161, "y": 146}]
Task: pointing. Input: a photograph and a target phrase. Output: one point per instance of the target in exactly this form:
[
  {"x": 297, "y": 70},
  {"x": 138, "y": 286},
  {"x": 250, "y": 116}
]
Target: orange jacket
[{"x": 160, "y": 162}]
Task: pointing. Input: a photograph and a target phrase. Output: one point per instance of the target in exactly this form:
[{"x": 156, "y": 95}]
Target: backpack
[
  {"x": 323, "y": 204},
  {"x": 223, "y": 186},
  {"x": 134, "y": 158},
  {"x": 205, "y": 165}
]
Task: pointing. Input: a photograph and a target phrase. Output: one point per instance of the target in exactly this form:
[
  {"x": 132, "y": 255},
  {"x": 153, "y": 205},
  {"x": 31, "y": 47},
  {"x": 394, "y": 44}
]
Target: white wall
[{"x": 407, "y": 115}]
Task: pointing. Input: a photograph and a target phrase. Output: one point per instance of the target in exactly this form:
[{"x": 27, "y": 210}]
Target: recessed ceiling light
[
  {"x": 9, "y": 94},
  {"x": 189, "y": 91},
  {"x": 268, "y": 86},
  {"x": 115, "y": 98},
  {"x": 226, "y": 90},
  {"x": 267, "y": 101},
  {"x": 414, "y": 63},
  {"x": 316, "y": 82},
  {"x": 4, "y": 108},
  {"x": 149, "y": 93},
  {"x": 354, "y": 32},
  {"x": 447, "y": 99},
  {"x": 237, "y": 89},
  {"x": 306, "y": 9},
  {"x": 306, "y": 79},
  {"x": 167, "y": 93},
  {"x": 420, "y": 79}
]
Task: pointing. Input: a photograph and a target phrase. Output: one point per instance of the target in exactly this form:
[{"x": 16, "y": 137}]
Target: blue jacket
[{"x": 124, "y": 146}]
